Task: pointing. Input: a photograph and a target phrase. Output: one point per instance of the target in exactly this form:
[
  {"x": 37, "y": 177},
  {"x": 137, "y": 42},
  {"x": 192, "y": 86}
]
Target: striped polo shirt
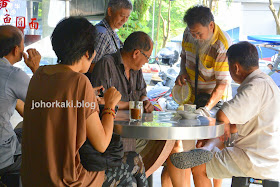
[{"x": 213, "y": 64}]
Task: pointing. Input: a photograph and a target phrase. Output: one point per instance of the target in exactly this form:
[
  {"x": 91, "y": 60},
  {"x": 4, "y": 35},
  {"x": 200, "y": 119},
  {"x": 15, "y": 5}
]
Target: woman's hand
[
  {"x": 112, "y": 96},
  {"x": 97, "y": 90}
]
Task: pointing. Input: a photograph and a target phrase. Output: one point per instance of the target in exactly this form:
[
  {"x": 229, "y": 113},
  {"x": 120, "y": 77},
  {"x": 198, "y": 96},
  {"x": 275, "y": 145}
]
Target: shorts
[
  {"x": 222, "y": 165},
  {"x": 188, "y": 144}
]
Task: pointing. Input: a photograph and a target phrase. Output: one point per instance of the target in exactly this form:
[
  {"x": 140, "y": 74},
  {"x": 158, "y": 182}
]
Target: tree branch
[
  {"x": 210, "y": 4},
  {"x": 273, "y": 10},
  {"x": 164, "y": 26}
]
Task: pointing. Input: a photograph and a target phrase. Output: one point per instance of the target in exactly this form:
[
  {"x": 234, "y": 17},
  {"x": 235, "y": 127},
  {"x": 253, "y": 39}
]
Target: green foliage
[
  {"x": 40, "y": 11},
  {"x": 145, "y": 23},
  {"x": 141, "y": 7},
  {"x": 133, "y": 24}
]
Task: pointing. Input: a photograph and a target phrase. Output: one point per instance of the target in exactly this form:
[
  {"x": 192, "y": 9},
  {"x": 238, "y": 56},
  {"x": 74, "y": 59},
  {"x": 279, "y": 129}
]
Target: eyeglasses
[{"x": 148, "y": 58}]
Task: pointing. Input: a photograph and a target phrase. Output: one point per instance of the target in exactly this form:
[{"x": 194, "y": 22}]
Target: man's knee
[
  {"x": 199, "y": 170},
  {"x": 178, "y": 147}
]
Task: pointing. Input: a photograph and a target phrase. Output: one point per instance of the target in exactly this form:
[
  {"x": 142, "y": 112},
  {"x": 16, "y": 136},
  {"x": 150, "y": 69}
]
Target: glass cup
[
  {"x": 135, "y": 110},
  {"x": 189, "y": 108}
]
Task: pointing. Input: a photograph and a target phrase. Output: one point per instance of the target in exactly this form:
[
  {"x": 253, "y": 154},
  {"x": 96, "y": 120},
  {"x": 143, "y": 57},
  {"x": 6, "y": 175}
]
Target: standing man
[
  {"x": 107, "y": 40},
  {"x": 256, "y": 112},
  {"x": 203, "y": 42},
  {"x": 13, "y": 83}
]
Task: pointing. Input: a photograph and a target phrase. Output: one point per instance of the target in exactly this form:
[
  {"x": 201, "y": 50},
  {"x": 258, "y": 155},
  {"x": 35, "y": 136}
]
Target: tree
[
  {"x": 166, "y": 33},
  {"x": 141, "y": 19},
  {"x": 276, "y": 15}
]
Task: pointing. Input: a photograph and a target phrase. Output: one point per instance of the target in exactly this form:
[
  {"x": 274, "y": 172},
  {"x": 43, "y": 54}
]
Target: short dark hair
[
  {"x": 72, "y": 38},
  {"x": 270, "y": 64},
  {"x": 119, "y": 4},
  {"x": 10, "y": 37},
  {"x": 137, "y": 40},
  {"x": 245, "y": 53},
  {"x": 198, "y": 14}
]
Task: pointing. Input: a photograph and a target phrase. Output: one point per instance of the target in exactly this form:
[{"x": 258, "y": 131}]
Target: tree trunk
[
  {"x": 163, "y": 31},
  {"x": 158, "y": 25},
  {"x": 205, "y": 3},
  {"x": 210, "y": 4},
  {"x": 166, "y": 36},
  {"x": 276, "y": 16}
]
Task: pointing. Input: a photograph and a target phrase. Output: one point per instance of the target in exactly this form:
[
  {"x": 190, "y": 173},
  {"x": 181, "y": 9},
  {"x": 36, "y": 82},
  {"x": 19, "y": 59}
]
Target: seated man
[
  {"x": 256, "y": 152},
  {"x": 123, "y": 70},
  {"x": 13, "y": 83}
]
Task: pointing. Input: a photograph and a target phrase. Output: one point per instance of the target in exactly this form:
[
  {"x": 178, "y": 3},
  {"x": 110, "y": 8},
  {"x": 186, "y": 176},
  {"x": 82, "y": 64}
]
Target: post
[{"x": 67, "y": 8}]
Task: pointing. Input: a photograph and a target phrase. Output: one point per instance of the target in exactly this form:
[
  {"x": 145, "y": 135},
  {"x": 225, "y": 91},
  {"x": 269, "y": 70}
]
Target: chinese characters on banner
[
  {"x": 3, "y": 3},
  {"x": 33, "y": 25},
  {"x": 14, "y": 17}
]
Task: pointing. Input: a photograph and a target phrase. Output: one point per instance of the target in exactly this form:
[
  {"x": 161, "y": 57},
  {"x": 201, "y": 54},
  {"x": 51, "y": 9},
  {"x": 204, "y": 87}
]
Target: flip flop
[{"x": 191, "y": 158}]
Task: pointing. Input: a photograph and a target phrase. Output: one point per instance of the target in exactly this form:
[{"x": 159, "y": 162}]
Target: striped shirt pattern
[
  {"x": 213, "y": 64},
  {"x": 104, "y": 43}
]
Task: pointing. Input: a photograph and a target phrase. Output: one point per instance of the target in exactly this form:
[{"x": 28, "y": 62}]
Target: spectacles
[{"x": 148, "y": 58}]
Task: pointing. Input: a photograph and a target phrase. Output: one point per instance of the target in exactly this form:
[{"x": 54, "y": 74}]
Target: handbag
[
  {"x": 201, "y": 99},
  {"x": 93, "y": 160}
]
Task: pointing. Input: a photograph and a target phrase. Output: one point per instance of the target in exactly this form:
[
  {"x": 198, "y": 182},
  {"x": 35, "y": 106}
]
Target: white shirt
[{"x": 256, "y": 111}]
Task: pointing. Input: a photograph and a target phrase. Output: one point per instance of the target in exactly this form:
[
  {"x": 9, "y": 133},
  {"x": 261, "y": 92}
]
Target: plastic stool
[{"x": 246, "y": 181}]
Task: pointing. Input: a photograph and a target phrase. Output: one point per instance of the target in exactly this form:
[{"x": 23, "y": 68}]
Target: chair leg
[{"x": 239, "y": 182}]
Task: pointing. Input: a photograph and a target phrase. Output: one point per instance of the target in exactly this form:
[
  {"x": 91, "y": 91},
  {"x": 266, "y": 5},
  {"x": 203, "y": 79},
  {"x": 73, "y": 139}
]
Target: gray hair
[
  {"x": 137, "y": 40},
  {"x": 119, "y": 4}
]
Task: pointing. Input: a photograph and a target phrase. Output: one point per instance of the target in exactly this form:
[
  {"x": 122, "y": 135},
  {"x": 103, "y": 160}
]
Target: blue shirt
[
  {"x": 106, "y": 40},
  {"x": 13, "y": 85}
]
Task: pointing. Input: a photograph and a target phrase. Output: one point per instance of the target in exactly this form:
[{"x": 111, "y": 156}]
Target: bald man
[{"x": 13, "y": 83}]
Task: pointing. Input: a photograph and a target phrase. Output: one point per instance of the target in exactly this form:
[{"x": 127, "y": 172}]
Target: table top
[{"x": 167, "y": 126}]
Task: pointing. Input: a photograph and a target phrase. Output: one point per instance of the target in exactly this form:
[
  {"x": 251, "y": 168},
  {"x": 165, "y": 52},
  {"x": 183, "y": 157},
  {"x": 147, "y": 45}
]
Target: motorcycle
[
  {"x": 166, "y": 56},
  {"x": 165, "y": 59},
  {"x": 161, "y": 93}
]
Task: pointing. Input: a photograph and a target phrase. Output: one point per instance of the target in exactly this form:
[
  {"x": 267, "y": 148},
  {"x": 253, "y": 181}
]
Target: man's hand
[
  {"x": 181, "y": 79},
  {"x": 220, "y": 116},
  {"x": 226, "y": 135},
  {"x": 32, "y": 60},
  {"x": 204, "y": 111},
  {"x": 148, "y": 107}
]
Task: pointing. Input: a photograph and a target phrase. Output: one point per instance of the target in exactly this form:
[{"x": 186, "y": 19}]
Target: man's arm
[
  {"x": 222, "y": 76},
  {"x": 183, "y": 64},
  {"x": 220, "y": 116},
  {"x": 32, "y": 60},
  {"x": 101, "y": 74},
  {"x": 123, "y": 105},
  {"x": 216, "y": 95},
  {"x": 183, "y": 75},
  {"x": 20, "y": 107},
  {"x": 148, "y": 106}
]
